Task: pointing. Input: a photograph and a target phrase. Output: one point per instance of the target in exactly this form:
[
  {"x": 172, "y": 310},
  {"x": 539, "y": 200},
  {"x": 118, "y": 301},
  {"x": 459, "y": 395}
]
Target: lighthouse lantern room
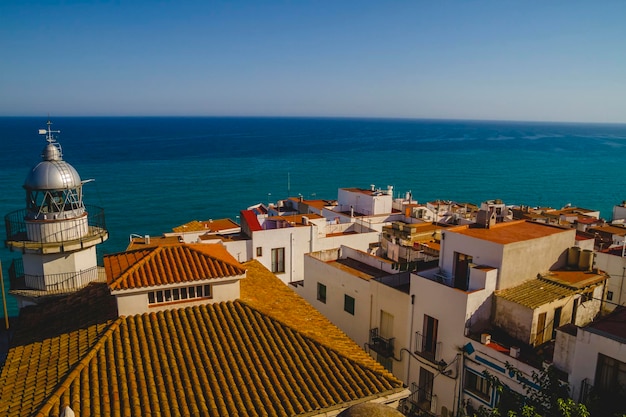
[{"x": 56, "y": 233}]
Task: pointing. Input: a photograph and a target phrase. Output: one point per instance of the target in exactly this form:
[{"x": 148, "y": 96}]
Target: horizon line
[{"x": 392, "y": 118}]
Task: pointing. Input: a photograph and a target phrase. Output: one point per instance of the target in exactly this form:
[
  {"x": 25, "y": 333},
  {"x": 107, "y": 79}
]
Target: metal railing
[
  {"x": 16, "y": 229},
  {"x": 421, "y": 399},
  {"x": 66, "y": 281},
  {"x": 381, "y": 345},
  {"x": 427, "y": 348}
]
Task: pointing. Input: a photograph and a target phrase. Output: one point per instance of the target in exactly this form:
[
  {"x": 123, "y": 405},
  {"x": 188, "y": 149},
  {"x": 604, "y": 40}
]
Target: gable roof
[
  {"x": 244, "y": 357},
  {"x": 169, "y": 264}
]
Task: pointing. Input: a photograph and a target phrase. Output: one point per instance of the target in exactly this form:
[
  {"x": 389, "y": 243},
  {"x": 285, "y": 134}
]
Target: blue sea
[{"x": 152, "y": 174}]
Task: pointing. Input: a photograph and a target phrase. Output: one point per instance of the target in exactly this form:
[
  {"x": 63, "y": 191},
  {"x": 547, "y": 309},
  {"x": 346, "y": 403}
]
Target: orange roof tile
[
  {"x": 510, "y": 232},
  {"x": 248, "y": 357},
  {"x": 162, "y": 265}
]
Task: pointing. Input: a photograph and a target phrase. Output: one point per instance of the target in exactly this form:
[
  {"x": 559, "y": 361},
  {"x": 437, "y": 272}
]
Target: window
[
  {"x": 610, "y": 374},
  {"x": 586, "y": 296},
  {"x": 278, "y": 260},
  {"x": 348, "y": 304},
  {"x": 477, "y": 385},
  {"x": 259, "y": 251},
  {"x": 321, "y": 292},
  {"x": 609, "y": 295},
  {"x": 177, "y": 294},
  {"x": 386, "y": 324}
]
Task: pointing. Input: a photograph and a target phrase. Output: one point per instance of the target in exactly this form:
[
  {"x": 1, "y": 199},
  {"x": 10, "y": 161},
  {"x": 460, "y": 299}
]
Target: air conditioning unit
[
  {"x": 485, "y": 338},
  {"x": 514, "y": 352}
]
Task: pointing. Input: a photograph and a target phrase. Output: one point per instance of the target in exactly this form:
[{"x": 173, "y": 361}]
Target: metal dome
[{"x": 53, "y": 173}]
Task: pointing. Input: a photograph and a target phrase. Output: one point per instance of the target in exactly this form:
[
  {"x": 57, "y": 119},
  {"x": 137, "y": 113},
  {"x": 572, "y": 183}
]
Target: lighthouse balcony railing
[
  {"x": 66, "y": 281},
  {"x": 16, "y": 229}
]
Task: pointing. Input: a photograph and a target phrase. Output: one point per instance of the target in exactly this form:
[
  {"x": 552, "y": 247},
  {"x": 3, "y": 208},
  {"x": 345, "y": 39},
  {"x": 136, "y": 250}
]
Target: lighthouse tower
[{"x": 57, "y": 234}]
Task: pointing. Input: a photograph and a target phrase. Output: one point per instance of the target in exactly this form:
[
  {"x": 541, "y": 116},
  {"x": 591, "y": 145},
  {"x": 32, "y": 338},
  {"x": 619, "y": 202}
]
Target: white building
[
  {"x": 365, "y": 297},
  {"x": 613, "y": 262},
  {"x": 619, "y": 212},
  {"x": 594, "y": 356},
  {"x": 435, "y": 322},
  {"x": 160, "y": 277}
]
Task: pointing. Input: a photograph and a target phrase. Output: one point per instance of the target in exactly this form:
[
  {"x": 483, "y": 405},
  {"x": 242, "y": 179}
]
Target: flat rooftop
[
  {"x": 358, "y": 269},
  {"x": 613, "y": 325},
  {"x": 510, "y": 232}
]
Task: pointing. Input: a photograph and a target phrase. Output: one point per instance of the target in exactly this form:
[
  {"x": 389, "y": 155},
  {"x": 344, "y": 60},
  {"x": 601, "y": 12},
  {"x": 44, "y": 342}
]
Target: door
[
  {"x": 541, "y": 327},
  {"x": 461, "y": 271},
  {"x": 557, "y": 320},
  {"x": 425, "y": 389}
]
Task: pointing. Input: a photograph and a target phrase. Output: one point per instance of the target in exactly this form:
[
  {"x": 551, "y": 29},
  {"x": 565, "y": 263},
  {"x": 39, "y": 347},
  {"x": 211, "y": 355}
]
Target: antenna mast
[{"x": 49, "y": 132}]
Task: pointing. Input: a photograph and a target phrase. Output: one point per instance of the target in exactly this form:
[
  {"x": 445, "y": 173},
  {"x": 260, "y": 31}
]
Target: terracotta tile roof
[
  {"x": 50, "y": 341},
  {"x": 245, "y": 357},
  {"x": 172, "y": 264},
  {"x": 510, "y": 232}
]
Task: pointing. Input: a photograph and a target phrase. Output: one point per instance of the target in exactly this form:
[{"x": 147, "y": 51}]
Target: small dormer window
[{"x": 179, "y": 294}]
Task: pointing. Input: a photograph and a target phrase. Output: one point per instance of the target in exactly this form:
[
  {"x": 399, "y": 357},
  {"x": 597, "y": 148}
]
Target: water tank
[
  {"x": 573, "y": 255},
  {"x": 586, "y": 260}
]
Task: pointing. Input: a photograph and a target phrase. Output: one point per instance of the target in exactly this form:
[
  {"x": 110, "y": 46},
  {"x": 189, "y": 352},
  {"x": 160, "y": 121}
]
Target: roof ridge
[
  {"x": 193, "y": 247},
  {"x": 56, "y": 395}
]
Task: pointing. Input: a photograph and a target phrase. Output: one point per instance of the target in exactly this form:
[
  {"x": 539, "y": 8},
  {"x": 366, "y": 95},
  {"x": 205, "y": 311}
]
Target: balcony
[
  {"x": 421, "y": 401},
  {"x": 52, "y": 283},
  {"x": 17, "y": 232},
  {"x": 381, "y": 345},
  {"x": 427, "y": 348}
]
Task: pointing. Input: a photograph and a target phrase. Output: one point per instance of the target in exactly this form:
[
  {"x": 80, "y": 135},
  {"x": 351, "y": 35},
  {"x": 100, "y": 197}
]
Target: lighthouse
[{"x": 56, "y": 233}]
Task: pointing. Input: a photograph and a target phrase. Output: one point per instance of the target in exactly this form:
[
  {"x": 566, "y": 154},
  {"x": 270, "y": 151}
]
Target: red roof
[{"x": 251, "y": 220}]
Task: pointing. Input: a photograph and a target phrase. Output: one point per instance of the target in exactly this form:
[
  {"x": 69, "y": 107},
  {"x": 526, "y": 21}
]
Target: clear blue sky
[{"x": 508, "y": 60}]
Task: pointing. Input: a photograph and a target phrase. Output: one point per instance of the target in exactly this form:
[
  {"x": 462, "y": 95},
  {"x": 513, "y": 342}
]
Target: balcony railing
[
  {"x": 381, "y": 345},
  {"x": 17, "y": 237},
  {"x": 421, "y": 399},
  {"x": 68, "y": 281},
  {"x": 427, "y": 348}
]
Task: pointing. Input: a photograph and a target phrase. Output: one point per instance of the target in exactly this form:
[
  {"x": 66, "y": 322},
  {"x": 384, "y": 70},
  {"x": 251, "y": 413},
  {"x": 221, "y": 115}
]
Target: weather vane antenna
[{"x": 48, "y": 132}]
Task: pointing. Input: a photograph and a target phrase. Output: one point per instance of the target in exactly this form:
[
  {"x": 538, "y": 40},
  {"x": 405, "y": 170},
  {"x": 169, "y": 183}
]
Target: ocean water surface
[{"x": 152, "y": 174}]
